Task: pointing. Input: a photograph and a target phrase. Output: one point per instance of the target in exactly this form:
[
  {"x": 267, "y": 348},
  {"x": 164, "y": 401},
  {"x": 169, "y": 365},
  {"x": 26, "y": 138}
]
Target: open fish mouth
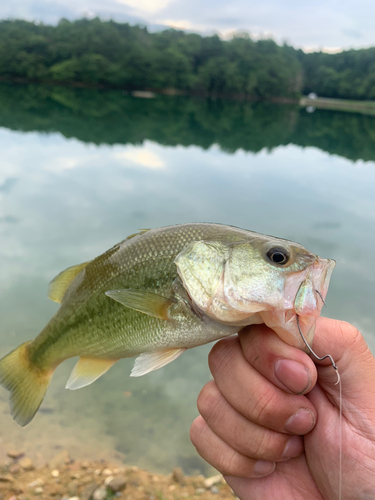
[{"x": 304, "y": 299}]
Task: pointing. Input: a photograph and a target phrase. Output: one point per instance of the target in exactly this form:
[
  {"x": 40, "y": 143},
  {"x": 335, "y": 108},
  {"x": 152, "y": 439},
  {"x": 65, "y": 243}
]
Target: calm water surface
[{"x": 80, "y": 170}]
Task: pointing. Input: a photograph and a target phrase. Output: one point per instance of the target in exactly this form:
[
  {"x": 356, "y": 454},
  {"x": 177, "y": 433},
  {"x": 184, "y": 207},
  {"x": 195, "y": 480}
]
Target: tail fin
[{"x": 27, "y": 384}]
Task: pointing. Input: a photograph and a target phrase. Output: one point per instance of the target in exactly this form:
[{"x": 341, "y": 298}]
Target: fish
[{"x": 160, "y": 292}]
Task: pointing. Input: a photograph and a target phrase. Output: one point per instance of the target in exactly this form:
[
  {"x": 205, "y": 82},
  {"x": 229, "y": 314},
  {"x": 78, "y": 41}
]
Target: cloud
[
  {"x": 146, "y": 5},
  {"x": 142, "y": 157},
  {"x": 319, "y": 24}
]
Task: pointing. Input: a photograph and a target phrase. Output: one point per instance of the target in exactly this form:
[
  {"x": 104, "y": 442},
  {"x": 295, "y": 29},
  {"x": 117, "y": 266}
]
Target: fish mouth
[{"x": 303, "y": 298}]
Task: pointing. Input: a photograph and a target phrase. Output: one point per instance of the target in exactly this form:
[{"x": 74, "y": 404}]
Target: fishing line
[
  {"x": 340, "y": 396},
  {"x": 321, "y": 296}
]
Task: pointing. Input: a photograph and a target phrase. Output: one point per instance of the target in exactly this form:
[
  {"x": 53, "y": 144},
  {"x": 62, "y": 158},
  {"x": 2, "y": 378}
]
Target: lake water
[{"x": 82, "y": 169}]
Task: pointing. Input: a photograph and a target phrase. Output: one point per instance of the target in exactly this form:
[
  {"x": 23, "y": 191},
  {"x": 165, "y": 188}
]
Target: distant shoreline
[
  {"x": 353, "y": 106},
  {"x": 364, "y": 107}
]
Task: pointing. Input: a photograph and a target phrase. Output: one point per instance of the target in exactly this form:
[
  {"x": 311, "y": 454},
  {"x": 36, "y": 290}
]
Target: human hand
[{"x": 247, "y": 430}]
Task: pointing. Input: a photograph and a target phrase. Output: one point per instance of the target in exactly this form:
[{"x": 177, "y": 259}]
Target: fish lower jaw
[{"x": 284, "y": 324}]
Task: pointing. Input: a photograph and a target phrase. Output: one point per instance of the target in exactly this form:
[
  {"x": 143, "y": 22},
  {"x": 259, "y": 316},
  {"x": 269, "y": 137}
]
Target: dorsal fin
[
  {"x": 59, "y": 285},
  {"x": 140, "y": 232}
]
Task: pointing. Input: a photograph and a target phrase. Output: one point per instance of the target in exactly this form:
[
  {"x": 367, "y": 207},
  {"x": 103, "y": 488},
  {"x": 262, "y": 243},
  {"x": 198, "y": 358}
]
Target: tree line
[
  {"x": 110, "y": 117},
  {"x": 106, "y": 53}
]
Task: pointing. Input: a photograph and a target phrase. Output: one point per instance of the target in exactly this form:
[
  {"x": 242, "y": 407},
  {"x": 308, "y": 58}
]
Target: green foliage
[
  {"x": 347, "y": 75},
  {"x": 94, "y": 52},
  {"x": 110, "y": 117}
]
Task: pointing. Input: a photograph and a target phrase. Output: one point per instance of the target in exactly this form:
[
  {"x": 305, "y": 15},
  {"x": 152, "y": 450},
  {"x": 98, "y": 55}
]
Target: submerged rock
[
  {"x": 26, "y": 463},
  {"x": 117, "y": 483}
]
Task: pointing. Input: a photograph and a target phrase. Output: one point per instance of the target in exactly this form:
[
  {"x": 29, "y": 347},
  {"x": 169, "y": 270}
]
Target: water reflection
[
  {"x": 110, "y": 117},
  {"x": 118, "y": 164}
]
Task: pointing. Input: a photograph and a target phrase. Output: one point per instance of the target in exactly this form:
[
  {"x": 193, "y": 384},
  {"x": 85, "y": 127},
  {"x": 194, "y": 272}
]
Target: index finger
[{"x": 285, "y": 366}]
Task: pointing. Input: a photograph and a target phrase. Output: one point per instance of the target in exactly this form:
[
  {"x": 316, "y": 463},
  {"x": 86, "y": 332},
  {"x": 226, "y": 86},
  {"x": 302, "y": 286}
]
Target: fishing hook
[{"x": 315, "y": 355}]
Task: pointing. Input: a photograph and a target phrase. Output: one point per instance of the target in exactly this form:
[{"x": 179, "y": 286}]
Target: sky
[{"x": 329, "y": 25}]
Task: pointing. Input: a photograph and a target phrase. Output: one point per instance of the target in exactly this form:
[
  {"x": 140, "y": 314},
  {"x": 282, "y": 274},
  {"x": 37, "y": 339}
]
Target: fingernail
[
  {"x": 301, "y": 422},
  {"x": 295, "y": 376},
  {"x": 263, "y": 468},
  {"x": 293, "y": 448}
]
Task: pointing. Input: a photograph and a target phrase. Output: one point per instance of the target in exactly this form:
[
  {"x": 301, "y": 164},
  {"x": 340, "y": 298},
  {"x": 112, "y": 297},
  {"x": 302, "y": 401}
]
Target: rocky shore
[{"x": 66, "y": 479}]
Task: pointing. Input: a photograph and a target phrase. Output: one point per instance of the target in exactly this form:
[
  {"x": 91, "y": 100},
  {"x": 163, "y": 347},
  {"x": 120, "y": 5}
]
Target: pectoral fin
[
  {"x": 87, "y": 370},
  {"x": 145, "y": 302},
  {"x": 59, "y": 285},
  {"x": 150, "y": 361}
]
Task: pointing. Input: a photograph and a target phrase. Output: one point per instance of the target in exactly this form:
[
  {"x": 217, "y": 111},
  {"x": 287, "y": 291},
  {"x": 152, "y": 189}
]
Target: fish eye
[{"x": 278, "y": 255}]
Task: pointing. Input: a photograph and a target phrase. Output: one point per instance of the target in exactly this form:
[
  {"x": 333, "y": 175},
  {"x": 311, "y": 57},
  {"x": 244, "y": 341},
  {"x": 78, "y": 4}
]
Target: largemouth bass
[{"x": 160, "y": 292}]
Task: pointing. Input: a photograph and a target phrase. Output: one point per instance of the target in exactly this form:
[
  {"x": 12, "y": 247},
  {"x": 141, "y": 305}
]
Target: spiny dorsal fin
[
  {"x": 145, "y": 302},
  {"x": 87, "y": 370},
  {"x": 140, "y": 232},
  {"x": 150, "y": 361},
  {"x": 59, "y": 285}
]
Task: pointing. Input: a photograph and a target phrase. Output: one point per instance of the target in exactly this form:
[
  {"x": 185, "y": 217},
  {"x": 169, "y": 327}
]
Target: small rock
[
  {"x": 26, "y": 463},
  {"x": 210, "y": 481},
  {"x": 108, "y": 480},
  {"x": 14, "y": 454},
  {"x": 199, "y": 491},
  {"x": 85, "y": 465},
  {"x": 178, "y": 476},
  {"x": 39, "y": 490},
  {"x": 37, "y": 482},
  {"x": 107, "y": 472},
  {"x": 6, "y": 478},
  {"x": 117, "y": 484},
  {"x": 59, "y": 460},
  {"x": 54, "y": 490},
  {"x": 74, "y": 498},
  {"x": 100, "y": 494},
  {"x": 88, "y": 491},
  {"x": 55, "y": 473},
  {"x": 172, "y": 487},
  {"x": 97, "y": 472},
  {"x": 72, "y": 489},
  {"x": 215, "y": 490},
  {"x": 14, "y": 469}
]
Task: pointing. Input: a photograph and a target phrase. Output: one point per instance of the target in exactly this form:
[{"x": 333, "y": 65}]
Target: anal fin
[
  {"x": 87, "y": 370},
  {"x": 150, "y": 361}
]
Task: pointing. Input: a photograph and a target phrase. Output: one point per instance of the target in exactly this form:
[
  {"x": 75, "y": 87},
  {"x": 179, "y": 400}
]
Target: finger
[
  {"x": 353, "y": 358},
  {"x": 224, "y": 458},
  {"x": 249, "y": 439},
  {"x": 254, "y": 396},
  {"x": 285, "y": 366},
  {"x": 291, "y": 479}
]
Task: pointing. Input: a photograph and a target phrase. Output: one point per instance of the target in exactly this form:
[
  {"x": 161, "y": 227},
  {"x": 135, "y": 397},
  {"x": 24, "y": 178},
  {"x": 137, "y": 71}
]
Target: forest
[
  {"x": 110, "y": 117},
  {"x": 108, "y": 54}
]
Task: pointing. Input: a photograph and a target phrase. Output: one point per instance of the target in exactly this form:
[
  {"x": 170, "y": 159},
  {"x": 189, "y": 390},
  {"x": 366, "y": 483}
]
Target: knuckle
[
  {"x": 208, "y": 399},
  {"x": 196, "y": 430},
  {"x": 261, "y": 446},
  {"x": 227, "y": 462},
  {"x": 263, "y": 409},
  {"x": 221, "y": 355}
]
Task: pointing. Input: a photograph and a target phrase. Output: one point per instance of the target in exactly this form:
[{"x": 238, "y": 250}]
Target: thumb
[{"x": 355, "y": 363}]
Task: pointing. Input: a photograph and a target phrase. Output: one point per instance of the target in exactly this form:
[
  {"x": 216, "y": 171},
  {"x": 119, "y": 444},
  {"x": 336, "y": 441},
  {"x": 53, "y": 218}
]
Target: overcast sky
[{"x": 326, "y": 24}]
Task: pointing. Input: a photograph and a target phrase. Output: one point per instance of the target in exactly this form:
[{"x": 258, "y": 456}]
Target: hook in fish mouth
[
  {"x": 315, "y": 355},
  {"x": 321, "y": 296}
]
